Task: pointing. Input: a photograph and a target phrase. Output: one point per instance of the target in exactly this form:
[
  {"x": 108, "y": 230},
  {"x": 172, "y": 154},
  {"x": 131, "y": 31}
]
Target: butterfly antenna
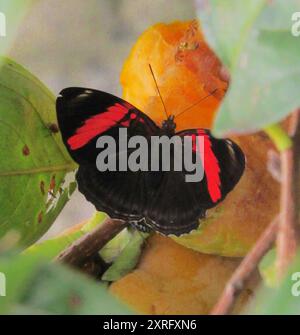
[
  {"x": 158, "y": 90},
  {"x": 190, "y": 107}
]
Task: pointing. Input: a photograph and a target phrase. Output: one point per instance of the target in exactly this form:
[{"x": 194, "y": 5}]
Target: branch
[
  {"x": 88, "y": 245},
  {"x": 236, "y": 283},
  {"x": 289, "y": 200},
  {"x": 287, "y": 144},
  {"x": 294, "y": 131},
  {"x": 286, "y": 237}
]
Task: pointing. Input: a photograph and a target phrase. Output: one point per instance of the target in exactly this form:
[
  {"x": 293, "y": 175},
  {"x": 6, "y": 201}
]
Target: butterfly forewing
[{"x": 85, "y": 114}]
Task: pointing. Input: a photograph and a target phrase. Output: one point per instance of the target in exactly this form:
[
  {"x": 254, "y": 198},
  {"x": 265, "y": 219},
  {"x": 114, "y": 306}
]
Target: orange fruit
[
  {"x": 171, "y": 279},
  {"x": 186, "y": 71}
]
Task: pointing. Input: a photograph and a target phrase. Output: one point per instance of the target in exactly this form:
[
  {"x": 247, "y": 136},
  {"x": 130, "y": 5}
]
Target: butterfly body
[
  {"x": 169, "y": 126},
  {"x": 160, "y": 200}
]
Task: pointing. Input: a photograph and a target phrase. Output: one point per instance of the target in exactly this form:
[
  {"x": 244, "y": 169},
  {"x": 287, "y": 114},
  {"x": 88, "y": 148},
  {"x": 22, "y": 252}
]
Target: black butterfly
[{"x": 158, "y": 200}]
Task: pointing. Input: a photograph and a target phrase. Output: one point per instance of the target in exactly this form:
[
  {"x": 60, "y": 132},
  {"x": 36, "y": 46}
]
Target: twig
[
  {"x": 236, "y": 283},
  {"x": 88, "y": 245},
  {"x": 286, "y": 237},
  {"x": 274, "y": 164},
  {"x": 294, "y": 131}
]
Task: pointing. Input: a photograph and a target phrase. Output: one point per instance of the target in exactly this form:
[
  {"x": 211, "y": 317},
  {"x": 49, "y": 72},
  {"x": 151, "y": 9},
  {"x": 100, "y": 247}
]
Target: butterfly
[{"x": 150, "y": 200}]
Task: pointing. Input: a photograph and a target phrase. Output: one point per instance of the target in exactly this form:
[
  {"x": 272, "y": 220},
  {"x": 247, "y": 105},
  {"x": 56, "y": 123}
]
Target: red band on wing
[
  {"x": 211, "y": 168},
  {"x": 98, "y": 124}
]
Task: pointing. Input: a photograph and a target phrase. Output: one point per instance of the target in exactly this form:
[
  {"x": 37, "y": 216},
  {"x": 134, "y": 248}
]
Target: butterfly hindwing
[
  {"x": 173, "y": 208},
  {"x": 121, "y": 195},
  {"x": 223, "y": 164},
  {"x": 177, "y": 205}
]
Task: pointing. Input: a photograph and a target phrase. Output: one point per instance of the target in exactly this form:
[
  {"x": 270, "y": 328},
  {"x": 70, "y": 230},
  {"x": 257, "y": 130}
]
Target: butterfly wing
[
  {"x": 173, "y": 207},
  {"x": 224, "y": 164},
  {"x": 122, "y": 195},
  {"x": 85, "y": 114},
  {"x": 177, "y": 205}
]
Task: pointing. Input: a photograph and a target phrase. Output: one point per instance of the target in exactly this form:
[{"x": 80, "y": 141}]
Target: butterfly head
[{"x": 169, "y": 125}]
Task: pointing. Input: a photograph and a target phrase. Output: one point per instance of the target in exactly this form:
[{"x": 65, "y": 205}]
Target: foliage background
[{"x": 85, "y": 43}]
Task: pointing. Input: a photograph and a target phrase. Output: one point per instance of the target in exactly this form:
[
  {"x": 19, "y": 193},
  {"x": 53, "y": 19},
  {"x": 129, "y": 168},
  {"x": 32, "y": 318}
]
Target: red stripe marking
[
  {"x": 97, "y": 124},
  {"x": 211, "y": 167}
]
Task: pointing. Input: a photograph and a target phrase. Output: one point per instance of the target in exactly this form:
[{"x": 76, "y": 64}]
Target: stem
[
  {"x": 236, "y": 283},
  {"x": 88, "y": 245},
  {"x": 286, "y": 238}
]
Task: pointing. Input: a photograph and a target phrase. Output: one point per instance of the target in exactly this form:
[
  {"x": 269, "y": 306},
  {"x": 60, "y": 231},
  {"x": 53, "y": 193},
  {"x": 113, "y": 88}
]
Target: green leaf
[
  {"x": 33, "y": 286},
  {"x": 254, "y": 40},
  {"x": 59, "y": 290},
  {"x": 12, "y": 14},
  {"x": 128, "y": 258},
  {"x": 17, "y": 271},
  {"x": 33, "y": 160},
  {"x": 49, "y": 249},
  {"x": 282, "y": 300}
]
